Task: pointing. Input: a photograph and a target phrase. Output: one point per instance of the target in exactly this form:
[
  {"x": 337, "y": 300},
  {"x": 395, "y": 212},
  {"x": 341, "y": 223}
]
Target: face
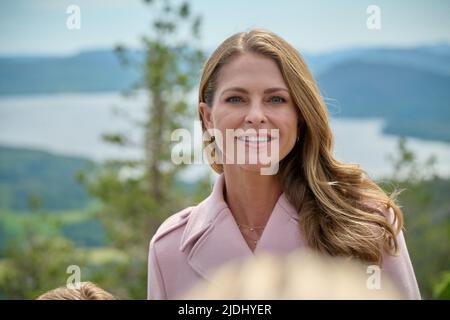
[{"x": 251, "y": 96}]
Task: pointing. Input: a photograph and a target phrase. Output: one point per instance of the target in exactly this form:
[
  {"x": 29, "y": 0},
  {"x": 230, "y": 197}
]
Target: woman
[{"x": 255, "y": 81}]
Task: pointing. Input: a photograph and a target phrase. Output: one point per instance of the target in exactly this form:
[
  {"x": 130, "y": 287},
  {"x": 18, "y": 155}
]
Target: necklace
[
  {"x": 243, "y": 226},
  {"x": 249, "y": 237}
]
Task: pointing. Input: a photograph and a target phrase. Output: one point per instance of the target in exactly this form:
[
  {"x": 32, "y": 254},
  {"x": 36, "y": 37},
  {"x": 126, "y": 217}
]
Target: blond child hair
[{"x": 86, "y": 291}]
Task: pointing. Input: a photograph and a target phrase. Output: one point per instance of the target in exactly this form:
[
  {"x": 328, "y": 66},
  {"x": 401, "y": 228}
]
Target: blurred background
[{"x": 90, "y": 92}]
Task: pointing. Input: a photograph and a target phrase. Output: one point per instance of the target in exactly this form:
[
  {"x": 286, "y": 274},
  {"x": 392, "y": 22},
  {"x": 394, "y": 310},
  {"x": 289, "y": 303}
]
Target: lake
[{"x": 72, "y": 124}]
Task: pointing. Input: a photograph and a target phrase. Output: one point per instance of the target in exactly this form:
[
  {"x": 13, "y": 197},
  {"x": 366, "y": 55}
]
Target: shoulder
[
  {"x": 381, "y": 208},
  {"x": 172, "y": 228},
  {"x": 162, "y": 253}
]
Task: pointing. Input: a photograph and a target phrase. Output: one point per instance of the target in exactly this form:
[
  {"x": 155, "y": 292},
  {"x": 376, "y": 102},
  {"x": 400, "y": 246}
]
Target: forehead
[{"x": 249, "y": 71}]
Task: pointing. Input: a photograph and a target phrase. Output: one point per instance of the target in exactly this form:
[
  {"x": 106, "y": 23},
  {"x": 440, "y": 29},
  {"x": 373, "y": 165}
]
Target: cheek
[
  {"x": 288, "y": 127},
  {"x": 226, "y": 119},
  {"x": 222, "y": 120}
]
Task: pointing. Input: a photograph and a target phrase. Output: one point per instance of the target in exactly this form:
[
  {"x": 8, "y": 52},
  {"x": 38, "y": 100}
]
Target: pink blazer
[{"x": 194, "y": 242}]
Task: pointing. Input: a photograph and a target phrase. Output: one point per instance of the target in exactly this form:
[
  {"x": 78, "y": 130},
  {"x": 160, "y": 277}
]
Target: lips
[{"x": 255, "y": 139}]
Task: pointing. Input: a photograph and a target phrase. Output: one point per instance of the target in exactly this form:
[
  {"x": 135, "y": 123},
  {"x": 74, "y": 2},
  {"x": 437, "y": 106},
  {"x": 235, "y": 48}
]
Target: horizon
[{"x": 303, "y": 52}]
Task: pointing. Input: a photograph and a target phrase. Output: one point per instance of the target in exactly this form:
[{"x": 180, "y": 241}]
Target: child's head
[
  {"x": 300, "y": 275},
  {"x": 86, "y": 291}
]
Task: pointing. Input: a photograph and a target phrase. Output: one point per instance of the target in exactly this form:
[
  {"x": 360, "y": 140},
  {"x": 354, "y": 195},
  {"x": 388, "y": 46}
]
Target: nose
[{"x": 256, "y": 115}]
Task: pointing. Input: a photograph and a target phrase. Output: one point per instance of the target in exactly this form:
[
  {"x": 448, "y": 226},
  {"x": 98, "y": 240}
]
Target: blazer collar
[{"x": 213, "y": 237}]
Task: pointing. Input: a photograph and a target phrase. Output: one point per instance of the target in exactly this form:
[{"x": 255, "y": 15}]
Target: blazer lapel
[
  {"x": 214, "y": 239},
  {"x": 282, "y": 233},
  {"x": 221, "y": 243}
]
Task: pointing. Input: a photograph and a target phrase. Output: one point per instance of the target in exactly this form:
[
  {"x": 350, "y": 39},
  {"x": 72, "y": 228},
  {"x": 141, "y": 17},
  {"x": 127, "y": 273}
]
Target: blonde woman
[{"x": 254, "y": 84}]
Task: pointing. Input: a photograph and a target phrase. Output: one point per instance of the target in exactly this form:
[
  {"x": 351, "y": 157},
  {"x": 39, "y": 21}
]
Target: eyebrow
[{"x": 270, "y": 90}]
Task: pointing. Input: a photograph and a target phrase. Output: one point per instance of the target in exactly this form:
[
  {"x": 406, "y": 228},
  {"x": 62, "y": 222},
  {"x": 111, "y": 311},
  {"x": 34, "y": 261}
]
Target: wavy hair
[{"x": 342, "y": 212}]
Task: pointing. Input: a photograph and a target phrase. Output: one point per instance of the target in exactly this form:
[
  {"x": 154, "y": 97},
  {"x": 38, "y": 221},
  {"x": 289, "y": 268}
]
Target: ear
[{"x": 206, "y": 113}]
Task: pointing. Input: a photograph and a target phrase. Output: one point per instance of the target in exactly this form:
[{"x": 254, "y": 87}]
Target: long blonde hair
[{"x": 342, "y": 212}]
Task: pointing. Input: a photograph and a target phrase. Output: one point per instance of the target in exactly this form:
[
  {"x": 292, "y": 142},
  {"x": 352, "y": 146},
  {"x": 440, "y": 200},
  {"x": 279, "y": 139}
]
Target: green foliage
[
  {"x": 426, "y": 208},
  {"x": 442, "y": 289},
  {"x": 82, "y": 227},
  {"x": 135, "y": 205},
  {"x": 36, "y": 263},
  {"x": 31, "y": 179},
  {"x": 37, "y": 248},
  {"x": 407, "y": 169},
  {"x": 87, "y": 233}
]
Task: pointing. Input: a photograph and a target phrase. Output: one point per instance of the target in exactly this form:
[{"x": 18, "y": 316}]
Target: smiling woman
[
  {"x": 254, "y": 101},
  {"x": 253, "y": 83}
]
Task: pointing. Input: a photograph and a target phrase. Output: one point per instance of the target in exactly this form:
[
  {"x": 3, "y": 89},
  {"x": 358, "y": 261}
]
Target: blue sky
[{"x": 39, "y": 27}]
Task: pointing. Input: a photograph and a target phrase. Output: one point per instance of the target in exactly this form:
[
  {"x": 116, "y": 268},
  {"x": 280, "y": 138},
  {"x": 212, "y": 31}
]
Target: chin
[{"x": 253, "y": 168}]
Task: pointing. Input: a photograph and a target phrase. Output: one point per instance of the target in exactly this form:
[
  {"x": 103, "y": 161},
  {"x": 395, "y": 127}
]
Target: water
[{"x": 72, "y": 124}]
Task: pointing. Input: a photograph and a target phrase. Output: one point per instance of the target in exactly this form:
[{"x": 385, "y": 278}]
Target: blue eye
[
  {"x": 274, "y": 99},
  {"x": 278, "y": 99},
  {"x": 234, "y": 99}
]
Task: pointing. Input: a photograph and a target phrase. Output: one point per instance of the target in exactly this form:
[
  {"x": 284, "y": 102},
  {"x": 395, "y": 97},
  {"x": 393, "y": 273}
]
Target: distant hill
[
  {"x": 101, "y": 70},
  {"x": 408, "y": 87},
  {"x": 413, "y": 102},
  {"x": 26, "y": 173},
  {"x": 434, "y": 58},
  {"x": 92, "y": 71}
]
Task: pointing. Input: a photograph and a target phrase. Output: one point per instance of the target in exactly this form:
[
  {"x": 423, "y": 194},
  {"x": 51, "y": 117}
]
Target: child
[{"x": 87, "y": 291}]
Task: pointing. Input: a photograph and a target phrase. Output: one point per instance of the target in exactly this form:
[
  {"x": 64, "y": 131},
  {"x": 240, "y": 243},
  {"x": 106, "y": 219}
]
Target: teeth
[{"x": 254, "y": 139}]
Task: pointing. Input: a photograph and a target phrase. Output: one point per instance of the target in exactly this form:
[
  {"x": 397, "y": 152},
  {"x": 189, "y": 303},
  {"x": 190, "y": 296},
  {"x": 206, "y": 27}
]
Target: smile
[{"x": 254, "y": 139}]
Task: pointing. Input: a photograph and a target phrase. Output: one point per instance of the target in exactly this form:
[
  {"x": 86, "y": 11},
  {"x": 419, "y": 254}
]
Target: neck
[{"x": 250, "y": 195}]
